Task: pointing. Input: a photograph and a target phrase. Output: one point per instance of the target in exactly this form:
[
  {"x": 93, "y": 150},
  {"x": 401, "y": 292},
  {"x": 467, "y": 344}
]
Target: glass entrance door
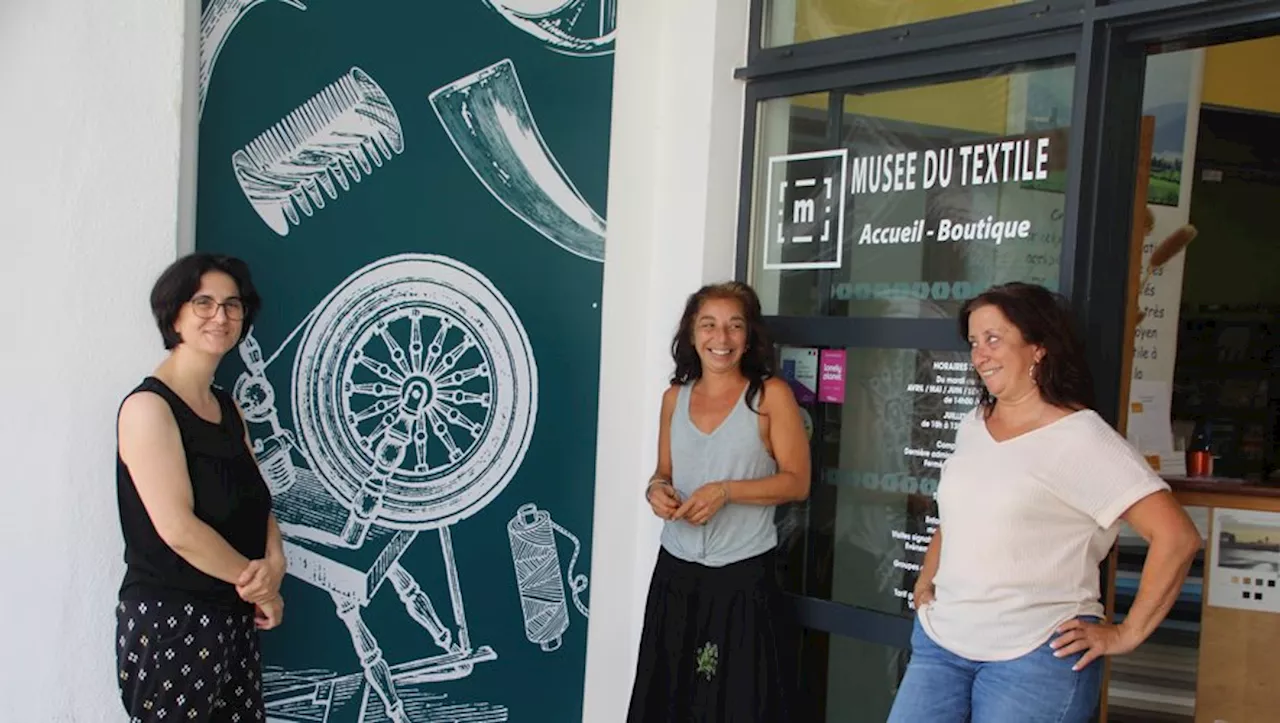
[
  {"x": 892, "y": 171},
  {"x": 876, "y": 216},
  {"x": 1204, "y": 307}
]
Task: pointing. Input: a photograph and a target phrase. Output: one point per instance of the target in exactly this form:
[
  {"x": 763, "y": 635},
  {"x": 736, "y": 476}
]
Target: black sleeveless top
[{"x": 229, "y": 495}]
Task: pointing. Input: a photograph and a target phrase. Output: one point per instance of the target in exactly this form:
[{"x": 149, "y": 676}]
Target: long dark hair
[
  {"x": 757, "y": 357},
  {"x": 1045, "y": 319}
]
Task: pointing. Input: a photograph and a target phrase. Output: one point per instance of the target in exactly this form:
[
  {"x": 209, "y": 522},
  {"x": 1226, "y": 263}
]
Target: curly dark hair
[
  {"x": 757, "y": 358},
  {"x": 1045, "y": 319}
]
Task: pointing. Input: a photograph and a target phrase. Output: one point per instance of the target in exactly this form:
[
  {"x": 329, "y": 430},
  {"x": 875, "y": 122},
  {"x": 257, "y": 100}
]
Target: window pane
[
  {"x": 847, "y": 680},
  {"x": 883, "y": 421},
  {"x": 922, "y": 197},
  {"x": 798, "y": 21}
]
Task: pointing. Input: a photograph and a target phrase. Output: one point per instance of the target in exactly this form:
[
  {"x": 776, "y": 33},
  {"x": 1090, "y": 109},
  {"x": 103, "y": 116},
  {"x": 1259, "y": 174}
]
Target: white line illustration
[
  {"x": 414, "y": 395},
  {"x": 571, "y": 27},
  {"x": 309, "y": 696},
  {"x": 258, "y": 404},
  {"x": 217, "y": 20},
  {"x": 414, "y": 392},
  {"x": 531, "y": 533},
  {"x": 488, "y": 119},
  {"x": 338, "y": 136}
]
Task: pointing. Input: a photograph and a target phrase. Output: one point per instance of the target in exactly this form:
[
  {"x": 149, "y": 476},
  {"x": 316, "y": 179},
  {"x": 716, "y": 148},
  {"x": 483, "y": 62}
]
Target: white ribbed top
[{"x": 1025, "y": 524}]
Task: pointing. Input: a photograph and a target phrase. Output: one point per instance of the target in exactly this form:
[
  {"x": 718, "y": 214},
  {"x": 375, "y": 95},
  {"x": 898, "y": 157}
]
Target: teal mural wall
[{"x": 419, "y": 189}]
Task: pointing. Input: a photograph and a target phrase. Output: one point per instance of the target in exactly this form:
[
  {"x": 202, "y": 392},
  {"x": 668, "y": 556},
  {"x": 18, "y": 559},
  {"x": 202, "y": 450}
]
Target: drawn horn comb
[{"x": 341, "y": 135}]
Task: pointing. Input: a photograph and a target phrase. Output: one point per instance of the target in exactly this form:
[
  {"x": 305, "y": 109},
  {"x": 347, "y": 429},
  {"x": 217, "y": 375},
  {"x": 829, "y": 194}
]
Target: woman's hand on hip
[
  {"x": 922, "y": 595},
  {"x": 704, "y": 504},
  {"x": 1092, "y": 640}
]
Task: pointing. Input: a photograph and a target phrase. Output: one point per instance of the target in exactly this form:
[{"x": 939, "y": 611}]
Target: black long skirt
[{"x": 717, "y": 646}]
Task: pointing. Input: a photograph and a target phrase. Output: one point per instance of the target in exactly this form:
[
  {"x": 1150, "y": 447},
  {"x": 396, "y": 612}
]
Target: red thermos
[{"x": 1199, "y": 454}]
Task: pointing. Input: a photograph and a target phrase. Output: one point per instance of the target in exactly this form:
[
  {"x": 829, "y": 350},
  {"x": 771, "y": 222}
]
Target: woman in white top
[{"x": 1009, "y": 623}]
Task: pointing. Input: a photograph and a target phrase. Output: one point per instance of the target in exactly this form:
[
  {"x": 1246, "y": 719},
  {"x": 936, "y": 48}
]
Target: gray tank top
[{"x": 733, "y": 451}]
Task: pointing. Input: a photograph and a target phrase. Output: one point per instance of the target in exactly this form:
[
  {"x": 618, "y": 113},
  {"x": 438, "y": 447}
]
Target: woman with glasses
[{"x": 203, "y": 552}]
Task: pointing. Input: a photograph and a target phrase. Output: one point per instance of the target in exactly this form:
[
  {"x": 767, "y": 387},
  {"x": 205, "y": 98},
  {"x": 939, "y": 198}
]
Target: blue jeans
[{"x": 942, "y": 687}]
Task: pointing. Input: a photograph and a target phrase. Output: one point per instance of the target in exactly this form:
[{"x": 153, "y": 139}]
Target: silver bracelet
[{"x": 652, "y": 481}]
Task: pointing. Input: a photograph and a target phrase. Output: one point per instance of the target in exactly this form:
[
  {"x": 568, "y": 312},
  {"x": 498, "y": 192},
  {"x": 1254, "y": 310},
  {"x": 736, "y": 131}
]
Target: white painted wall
[
  {"x": 673, "y": 204},
  {"x": 88, "y": 218},
  {"x": 97, "y": 199}
]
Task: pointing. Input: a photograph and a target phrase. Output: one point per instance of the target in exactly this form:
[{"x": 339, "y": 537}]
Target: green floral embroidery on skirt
[{"x": 708, "y": 659}]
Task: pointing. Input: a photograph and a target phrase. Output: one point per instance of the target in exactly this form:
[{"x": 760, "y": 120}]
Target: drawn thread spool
[
  {"x": 538, "y": 577},
  {"x": 339, "y": 136}
]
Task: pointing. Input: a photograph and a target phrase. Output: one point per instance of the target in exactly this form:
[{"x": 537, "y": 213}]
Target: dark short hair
[
  {"x": 757, "y": 358},
  {"x": 1045, "y": 319},
  {"x": 181, "y": 281}
]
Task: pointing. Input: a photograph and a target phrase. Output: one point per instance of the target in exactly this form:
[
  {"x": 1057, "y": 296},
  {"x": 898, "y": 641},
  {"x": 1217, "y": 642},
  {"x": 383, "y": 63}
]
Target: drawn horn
[
  {"x": 488, "y": 120},
  {"x": 217, "y": 21}
]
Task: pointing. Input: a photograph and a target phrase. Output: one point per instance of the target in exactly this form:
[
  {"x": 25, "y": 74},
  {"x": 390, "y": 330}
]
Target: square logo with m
[{"x": 804, "y": 210}]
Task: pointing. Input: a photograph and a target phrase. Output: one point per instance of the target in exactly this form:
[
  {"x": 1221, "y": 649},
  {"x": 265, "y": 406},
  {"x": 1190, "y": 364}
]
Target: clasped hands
[
  {"x": 701, "y": 506},
  {"x": 260, "y": 584}
]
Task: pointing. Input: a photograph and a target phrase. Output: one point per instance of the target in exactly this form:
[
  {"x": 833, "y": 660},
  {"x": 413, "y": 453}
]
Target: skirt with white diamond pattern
[
  {"x": 187, "y": 663},
  {"x": 718, "y": 646}
]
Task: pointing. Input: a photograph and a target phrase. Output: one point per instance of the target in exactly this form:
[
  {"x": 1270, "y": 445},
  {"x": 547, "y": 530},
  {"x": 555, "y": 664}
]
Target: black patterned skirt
[
  {"x": 188, "y": 662},
  {"x": 719, "y": 646}
]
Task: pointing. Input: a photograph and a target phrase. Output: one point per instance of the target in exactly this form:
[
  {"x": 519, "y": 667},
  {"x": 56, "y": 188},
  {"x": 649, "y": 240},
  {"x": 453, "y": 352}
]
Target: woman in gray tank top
[{"x": 731, "y": 446}]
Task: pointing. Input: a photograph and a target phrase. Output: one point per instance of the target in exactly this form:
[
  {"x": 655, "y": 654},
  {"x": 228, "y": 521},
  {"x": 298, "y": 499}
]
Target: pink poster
[{"x": 831, "y": 368}]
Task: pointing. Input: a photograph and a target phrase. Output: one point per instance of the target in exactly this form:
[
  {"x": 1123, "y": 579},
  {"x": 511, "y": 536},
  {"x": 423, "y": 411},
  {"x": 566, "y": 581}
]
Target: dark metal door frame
[{"x": 1108, "y": 42}]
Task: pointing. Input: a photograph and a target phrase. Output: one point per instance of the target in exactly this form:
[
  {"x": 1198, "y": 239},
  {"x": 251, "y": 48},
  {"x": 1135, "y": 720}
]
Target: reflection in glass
[
  {"x": 799, "y": 21},
  {"x": 877, "y": 457},
  {"x": 920, "y": 199},
  {"x": 847, "y": 680}
]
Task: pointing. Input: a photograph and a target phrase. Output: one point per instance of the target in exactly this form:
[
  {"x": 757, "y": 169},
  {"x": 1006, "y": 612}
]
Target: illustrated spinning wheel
[
  {"x": 572, "y": 27},
  {"x": 418, "y": 374}
]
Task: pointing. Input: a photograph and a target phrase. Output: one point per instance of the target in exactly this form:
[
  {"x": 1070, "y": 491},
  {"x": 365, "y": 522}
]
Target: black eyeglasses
[{"x": 206, "y": 308}]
